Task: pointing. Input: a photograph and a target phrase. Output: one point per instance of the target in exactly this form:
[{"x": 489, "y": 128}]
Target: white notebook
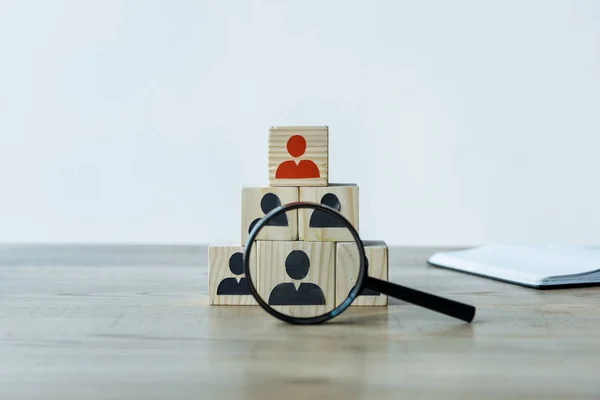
[{"x": 532, "y": 266}]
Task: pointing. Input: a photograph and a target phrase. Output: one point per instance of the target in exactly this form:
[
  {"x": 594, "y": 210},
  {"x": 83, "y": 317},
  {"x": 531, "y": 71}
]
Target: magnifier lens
[{"x": 305, "y": 278}]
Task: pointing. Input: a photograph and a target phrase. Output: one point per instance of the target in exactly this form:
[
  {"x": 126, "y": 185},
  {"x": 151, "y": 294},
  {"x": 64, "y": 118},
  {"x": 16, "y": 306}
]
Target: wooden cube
[
  {"x": 347, "y": 267},
  {"x": 297, "y": 278},
  {"x": 227, "y": 283},
  {"x": 256, "y": 202},
  {"x": 298, "y": 155},
  {"x": 315, "y": 226}
]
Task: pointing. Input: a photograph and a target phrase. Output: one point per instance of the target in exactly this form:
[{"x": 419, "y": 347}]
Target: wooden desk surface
[{"x": 112, "y": 322}]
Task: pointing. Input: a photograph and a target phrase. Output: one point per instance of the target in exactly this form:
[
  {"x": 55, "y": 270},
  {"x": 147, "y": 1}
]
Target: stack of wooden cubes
[{"x": 298, "y": 171}]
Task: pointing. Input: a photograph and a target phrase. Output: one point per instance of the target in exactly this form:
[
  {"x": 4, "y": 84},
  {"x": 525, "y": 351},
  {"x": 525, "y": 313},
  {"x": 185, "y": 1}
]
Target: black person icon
[
  {"x": 320, "y": 219},
  {"x": 231, "y": 286},
  {"x": 367, "y": 291},
  {"x": 269, "y": 202},
  {"x": 297, "y": 265}
]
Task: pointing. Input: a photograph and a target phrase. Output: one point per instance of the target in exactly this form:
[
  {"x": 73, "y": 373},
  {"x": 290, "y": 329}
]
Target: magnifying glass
[{"x": 314, "y": 280}]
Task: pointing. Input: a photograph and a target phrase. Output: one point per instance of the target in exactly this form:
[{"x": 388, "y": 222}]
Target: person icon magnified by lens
[{"x": 297, "y": 265}]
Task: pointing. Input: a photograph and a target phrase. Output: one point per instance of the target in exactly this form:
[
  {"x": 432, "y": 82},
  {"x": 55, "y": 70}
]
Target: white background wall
[{"x": 463, "y": 122}]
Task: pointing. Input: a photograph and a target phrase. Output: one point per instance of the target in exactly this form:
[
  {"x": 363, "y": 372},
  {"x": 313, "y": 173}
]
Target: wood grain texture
[
  {"x": 271, "y": 260},
  {"x": 252, "y": 210},
  {"x": 219, "y": 270},
  {"x": 347, "y": 267},
  {"x": 133, "y": 322},
  {"x": 317, "y": 151},
  {"x": 347, "y": 194}
]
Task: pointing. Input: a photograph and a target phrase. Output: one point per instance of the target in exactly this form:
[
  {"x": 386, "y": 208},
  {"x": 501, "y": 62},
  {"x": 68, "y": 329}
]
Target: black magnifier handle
[{"x": 442, "y": 305}]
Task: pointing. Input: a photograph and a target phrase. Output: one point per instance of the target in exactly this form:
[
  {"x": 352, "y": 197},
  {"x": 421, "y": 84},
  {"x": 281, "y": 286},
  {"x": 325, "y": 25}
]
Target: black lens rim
[{"x": 363, "y": 273}]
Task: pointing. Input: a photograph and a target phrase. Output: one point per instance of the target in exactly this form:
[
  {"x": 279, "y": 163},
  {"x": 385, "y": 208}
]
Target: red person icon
[{"x": 290, "y": 169}]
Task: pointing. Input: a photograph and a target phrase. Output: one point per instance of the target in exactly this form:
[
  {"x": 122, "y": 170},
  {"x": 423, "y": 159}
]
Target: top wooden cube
[{"x": 298, "y": 155}]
